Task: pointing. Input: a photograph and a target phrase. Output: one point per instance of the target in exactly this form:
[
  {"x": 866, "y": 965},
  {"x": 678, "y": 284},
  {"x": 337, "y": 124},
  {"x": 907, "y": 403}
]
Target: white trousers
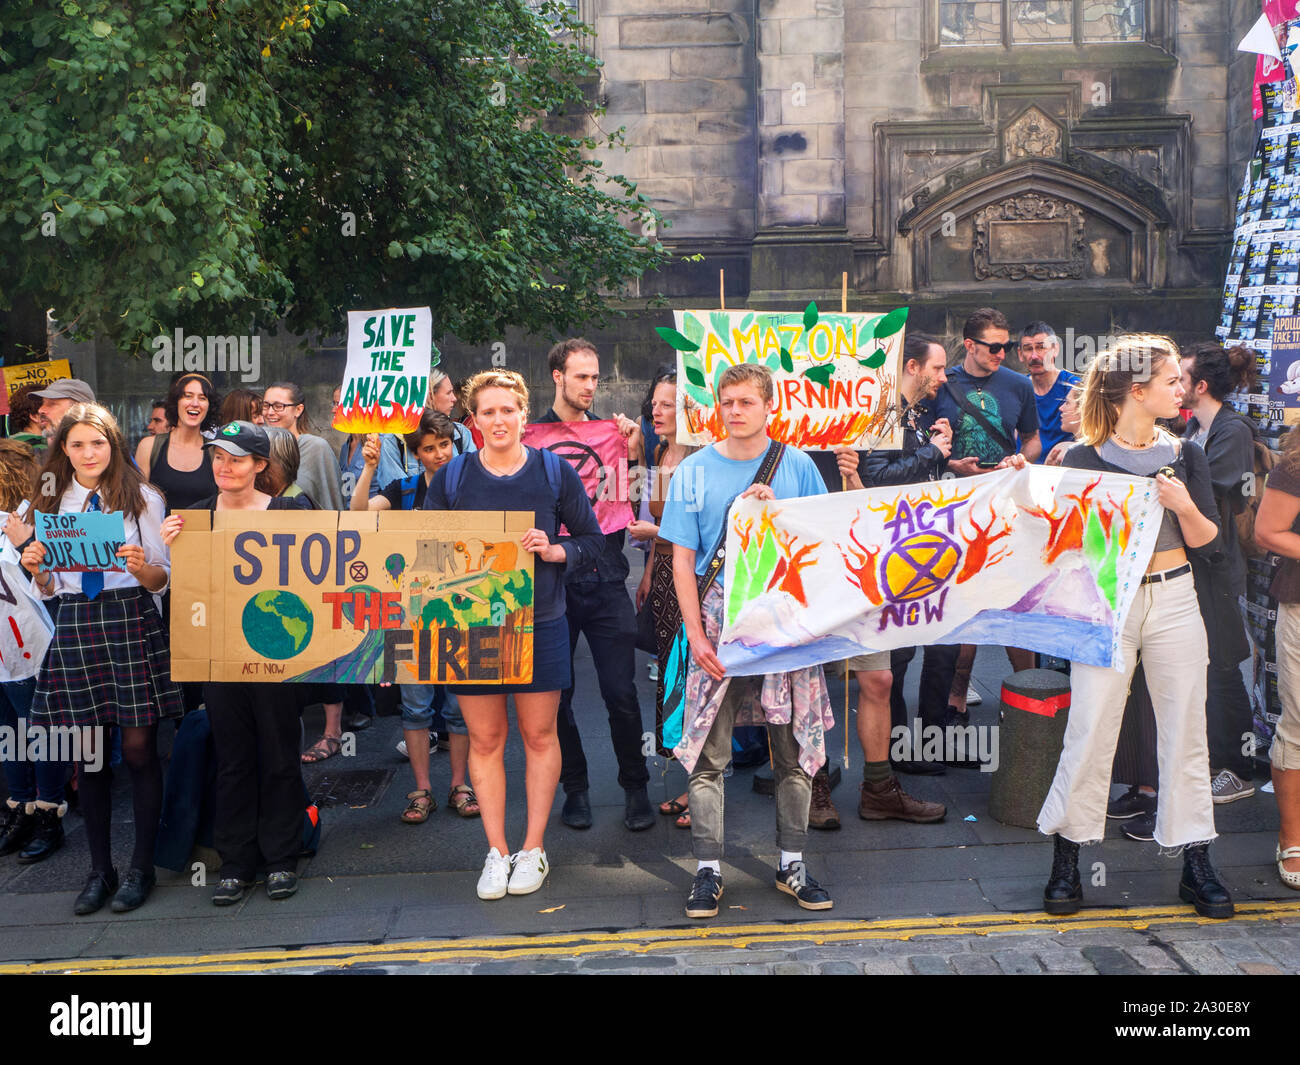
[{"x": 1165, "y": 625}]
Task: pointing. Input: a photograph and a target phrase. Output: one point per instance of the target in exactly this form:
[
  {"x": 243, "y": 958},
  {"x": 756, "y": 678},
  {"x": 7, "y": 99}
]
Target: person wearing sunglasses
[{"x": 994, "y": 419}]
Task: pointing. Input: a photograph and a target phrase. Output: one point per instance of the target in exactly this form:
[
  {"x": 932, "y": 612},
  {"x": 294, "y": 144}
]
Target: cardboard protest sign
[
  {"x": 836, "y": 375},
  {"x": 81, "y": 542},
  {"x": 350, "y": 597},
  {"x": 598, "y": 453},
  {"x": 25, "y": 625},
  {"x": 1044, "y": 558},
  {"x": 385, "y": 384},
  {"x": 32, "y": 373}
]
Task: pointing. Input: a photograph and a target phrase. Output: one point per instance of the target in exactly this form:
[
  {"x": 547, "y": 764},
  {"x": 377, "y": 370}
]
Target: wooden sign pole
[
  {"x": 844, "y": 292},
  {"x": 722, "y": 289}
]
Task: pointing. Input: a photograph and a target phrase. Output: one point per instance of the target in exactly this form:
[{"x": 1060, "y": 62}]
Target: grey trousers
[{"x": 705, "y": 786}]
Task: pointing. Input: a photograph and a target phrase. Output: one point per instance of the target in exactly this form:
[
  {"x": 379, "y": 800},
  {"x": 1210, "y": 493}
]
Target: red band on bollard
[{"x": 1045, "y": 707}]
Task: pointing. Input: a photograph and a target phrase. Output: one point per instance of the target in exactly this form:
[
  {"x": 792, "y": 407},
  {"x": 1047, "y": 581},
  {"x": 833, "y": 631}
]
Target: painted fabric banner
[
  {"x": 836, "y": 374},
  {"x": 598, "y": 452},
  {"x": 386, "y": 381},
  {"x": 352, "y": 597},
  {"x": 1044, "y": 558}
]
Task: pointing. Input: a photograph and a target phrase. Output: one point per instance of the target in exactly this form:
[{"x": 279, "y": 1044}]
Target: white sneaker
[
  {"x": 973, "y": 697},
  {"x": 1228, "y": 787},
  {"x": 531, "y": 868},
  {"x": 496, "y": 875}
]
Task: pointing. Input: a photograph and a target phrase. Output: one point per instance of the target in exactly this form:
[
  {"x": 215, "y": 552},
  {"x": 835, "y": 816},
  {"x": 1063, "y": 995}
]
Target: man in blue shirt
[
  {"x": 695, "y": 514},
  {"x": 1039, "y": 348}
]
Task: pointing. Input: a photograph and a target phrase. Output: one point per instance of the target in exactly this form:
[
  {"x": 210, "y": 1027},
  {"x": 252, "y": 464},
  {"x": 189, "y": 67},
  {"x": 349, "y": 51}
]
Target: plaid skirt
[{"x": 109, "y": 663}]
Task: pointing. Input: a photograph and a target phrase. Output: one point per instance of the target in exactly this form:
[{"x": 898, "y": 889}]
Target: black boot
[
  {"x": 637, "y": 814},
  {"x": 1200, "y": 884},
  {"x": 17, "y": 827},
  {"x": 1064, "y": 893},
  {"x": 47, "y": 838}
]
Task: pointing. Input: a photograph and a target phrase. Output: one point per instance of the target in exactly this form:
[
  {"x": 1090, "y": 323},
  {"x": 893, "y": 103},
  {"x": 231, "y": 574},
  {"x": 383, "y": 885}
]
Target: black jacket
[
  {"x": 1230, "y": 448},
  {"x": 919, "y": 460},
  {"x": 1211, "y": 567}
]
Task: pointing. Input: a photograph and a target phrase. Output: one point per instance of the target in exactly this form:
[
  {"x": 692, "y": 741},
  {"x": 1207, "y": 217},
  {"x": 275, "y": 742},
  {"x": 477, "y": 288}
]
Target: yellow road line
[{"x": 642, "y": 941}]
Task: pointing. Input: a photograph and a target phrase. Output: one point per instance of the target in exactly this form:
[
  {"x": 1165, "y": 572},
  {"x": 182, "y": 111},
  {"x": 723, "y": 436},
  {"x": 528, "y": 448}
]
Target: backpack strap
[
  {"x": 553, "y": 474},
  {"x": 451, "y": 483},
  {"x": 409, "y": 484},
  {"x": 156, "y": 449},
  {"x": 766, "y": 471}
]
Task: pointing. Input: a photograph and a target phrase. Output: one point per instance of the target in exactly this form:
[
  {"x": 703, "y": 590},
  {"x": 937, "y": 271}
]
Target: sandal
[
  {"x": 461, "y": 798},
  {"x": 672, "y": 808},
  {"x": 1290, "y": 879},
  {"x": 684, "y": 821},
  {"x": 418, "y": 809},
  {"x": 325, "y": 747}
]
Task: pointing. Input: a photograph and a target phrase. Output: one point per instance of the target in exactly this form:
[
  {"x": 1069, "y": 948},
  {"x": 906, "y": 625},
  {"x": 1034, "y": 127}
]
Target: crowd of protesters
[{"x": 1172, "y": 732}]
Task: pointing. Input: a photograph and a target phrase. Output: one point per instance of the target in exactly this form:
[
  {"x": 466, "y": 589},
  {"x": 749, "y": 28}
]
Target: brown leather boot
[
  {"x": 821, "y": 812},
  {"x": 881, "y": 802}
]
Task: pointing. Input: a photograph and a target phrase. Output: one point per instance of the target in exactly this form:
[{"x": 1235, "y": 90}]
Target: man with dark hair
[
  {"x": 995, "y": 425},
  {"x": 158, "y": 422},
  {"x": 600, "y": 608},
  {"x": 926, "y": 444},
  {"x": 1039, "y": 347}
]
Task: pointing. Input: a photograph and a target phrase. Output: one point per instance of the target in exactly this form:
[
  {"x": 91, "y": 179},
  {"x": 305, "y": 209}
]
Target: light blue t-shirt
[{"x": 704, "y": 485}]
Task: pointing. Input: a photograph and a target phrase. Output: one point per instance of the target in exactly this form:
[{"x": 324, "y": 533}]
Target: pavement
[{"x": 961, "y": 896}]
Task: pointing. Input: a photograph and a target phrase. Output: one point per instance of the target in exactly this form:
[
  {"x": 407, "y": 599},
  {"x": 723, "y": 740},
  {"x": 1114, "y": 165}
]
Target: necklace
[
  {"x": 514, "y": 468},
  {"x": 1139, "y": 447}
]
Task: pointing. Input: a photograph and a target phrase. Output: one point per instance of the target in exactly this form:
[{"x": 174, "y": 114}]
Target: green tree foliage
[{"x": 220, "y": 164}]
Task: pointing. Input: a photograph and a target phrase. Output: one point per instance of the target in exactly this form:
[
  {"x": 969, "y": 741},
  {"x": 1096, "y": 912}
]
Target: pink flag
[{"x": 598, "y": 453}]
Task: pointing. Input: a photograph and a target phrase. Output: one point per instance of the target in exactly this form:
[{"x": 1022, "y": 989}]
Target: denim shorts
[{"x": 418, "y": 707}]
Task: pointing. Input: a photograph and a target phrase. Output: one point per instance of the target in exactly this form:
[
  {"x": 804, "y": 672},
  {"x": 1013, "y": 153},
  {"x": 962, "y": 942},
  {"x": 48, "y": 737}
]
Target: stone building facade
[{"x": 1071, "y": 160}]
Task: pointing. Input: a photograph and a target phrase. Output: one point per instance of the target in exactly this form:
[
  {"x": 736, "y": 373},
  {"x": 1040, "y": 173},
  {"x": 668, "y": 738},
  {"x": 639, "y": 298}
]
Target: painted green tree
[{"x": 227, "y": 164}]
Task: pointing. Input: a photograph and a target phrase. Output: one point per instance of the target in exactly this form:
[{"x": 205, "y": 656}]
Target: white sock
[
  {"x": 715, "y": 866},
  {"x": 790, "y": 856}
]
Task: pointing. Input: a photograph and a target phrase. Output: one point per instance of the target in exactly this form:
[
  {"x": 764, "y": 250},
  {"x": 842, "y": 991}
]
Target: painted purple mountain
[{"x": 1067, "y": 594}]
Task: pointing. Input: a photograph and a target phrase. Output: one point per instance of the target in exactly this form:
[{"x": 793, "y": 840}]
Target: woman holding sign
[
  {"x": 260, "y": 793},
  {"x": 538, "y": 481},
  {"x": 109, "y": 663},
  {"x": 1126, "y": 390}
]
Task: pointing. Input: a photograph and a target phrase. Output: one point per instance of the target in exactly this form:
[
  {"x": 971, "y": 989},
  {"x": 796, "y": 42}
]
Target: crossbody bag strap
[
  {"x": 766, "y": 471},
  {"x": 998, "y": 434}
]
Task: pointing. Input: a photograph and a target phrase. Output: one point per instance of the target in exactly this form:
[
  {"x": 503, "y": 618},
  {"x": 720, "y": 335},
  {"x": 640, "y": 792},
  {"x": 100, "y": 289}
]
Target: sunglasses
[{"x": 1010, "y": 348}]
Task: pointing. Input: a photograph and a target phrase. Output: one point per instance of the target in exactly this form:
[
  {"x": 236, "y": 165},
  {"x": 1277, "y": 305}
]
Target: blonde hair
[
  {"x": 506, "y": 379},
  {"x": 748, "y": 373},
  {"x": 1132, "y": 360}
]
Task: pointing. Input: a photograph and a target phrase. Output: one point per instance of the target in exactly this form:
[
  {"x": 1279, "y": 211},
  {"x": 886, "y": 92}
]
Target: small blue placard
[{"x": 80, "y": 543}]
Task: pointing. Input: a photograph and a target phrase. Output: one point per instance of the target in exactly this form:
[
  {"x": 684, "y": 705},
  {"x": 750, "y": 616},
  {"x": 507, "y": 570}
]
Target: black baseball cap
[{"x": 242, "y": 438}]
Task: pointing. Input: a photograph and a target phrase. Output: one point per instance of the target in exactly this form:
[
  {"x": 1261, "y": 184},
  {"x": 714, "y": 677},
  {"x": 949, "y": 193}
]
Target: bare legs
[{"x": 488, "y": 727}]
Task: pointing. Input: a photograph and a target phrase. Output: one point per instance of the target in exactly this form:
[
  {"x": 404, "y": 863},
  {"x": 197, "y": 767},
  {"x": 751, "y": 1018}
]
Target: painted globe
[
  {"x": 918, "y": 566},
  {"x": 277, "y": 624}
]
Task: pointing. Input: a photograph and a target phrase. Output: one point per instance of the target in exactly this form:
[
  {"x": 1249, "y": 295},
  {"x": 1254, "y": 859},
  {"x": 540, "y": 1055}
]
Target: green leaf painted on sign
[
  {"x": 773, "y": 360},
  {"x": 721, "y": 325},
  {"x": 891, "y": 323},
  {"x": 787, "y": 363},
  {"x": 693, "y": 372},
  {"x": 671, "y": 336},
  {"x": 692, "y": 328},
  {"x": 810, "y": 316},
  {"x": 875, "y": 360},
  {"x": 820, "y": 374},
  {"x": 700, "y": 395}
]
